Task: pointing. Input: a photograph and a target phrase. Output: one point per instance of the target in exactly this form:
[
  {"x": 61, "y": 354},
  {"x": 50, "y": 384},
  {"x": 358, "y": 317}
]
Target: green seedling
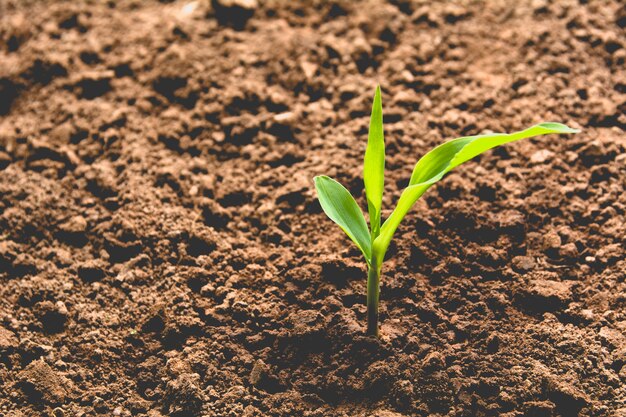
[{"x": 373, "y": 241}]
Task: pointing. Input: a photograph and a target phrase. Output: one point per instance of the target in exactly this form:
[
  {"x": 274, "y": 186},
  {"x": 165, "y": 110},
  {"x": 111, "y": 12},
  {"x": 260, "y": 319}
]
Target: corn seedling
[{"x": 373, "y": 241}]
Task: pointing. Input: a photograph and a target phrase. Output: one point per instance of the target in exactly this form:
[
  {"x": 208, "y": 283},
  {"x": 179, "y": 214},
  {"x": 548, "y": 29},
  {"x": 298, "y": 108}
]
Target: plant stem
[{"x": 373, "y": 291}]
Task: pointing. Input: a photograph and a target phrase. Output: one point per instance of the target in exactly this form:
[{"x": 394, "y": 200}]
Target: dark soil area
[{"x": 162, "y": 251}]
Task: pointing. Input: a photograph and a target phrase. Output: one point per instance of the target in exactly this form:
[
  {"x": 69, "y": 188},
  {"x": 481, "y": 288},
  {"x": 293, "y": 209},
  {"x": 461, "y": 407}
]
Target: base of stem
[{"x": 373, "y": 292}]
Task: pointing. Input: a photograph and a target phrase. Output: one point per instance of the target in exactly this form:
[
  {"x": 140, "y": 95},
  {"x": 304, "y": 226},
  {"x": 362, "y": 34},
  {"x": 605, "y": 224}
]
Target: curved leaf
[
  {"x": 340, "y": 207},
  {"x": 374, "y": 164},
  {"x": 439, "y": 161}
]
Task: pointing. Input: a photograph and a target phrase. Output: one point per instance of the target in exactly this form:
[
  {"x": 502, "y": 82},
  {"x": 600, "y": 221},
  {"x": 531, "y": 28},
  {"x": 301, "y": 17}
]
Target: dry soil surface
[{"x": 162, "y": 251}]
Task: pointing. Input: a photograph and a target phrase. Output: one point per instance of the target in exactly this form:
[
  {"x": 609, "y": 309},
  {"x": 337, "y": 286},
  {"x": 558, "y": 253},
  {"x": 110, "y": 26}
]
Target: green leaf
[
  {"x": 374, "y": 164},
  {"x": 340, "y": 207},
  {"x": 439, "y": 161}
]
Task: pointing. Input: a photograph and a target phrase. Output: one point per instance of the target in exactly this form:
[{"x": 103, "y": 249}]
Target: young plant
[{"x": 340, "y": 206}]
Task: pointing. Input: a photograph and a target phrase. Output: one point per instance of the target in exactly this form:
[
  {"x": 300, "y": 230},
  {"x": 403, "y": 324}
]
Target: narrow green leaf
[
  {"x": 439, "y": 161},
  {"x": 374, "y": 164},
  {"x": 340, "y": 207}
]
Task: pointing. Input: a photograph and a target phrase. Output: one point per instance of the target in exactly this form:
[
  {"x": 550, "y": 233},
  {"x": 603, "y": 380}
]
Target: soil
[{"x": 162, "y": 251}]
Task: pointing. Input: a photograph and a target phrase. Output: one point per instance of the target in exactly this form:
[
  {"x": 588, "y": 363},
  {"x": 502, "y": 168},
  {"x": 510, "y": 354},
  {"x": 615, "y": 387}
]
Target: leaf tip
[
  {"x": 558, "y": 127},
  {"x": 318, "y": 179},
  {"x": 377, "y": 96}
]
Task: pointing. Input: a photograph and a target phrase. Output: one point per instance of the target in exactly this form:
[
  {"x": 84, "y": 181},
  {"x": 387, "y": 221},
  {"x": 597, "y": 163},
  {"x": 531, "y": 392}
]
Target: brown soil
[{"x": 162, "y": 251}]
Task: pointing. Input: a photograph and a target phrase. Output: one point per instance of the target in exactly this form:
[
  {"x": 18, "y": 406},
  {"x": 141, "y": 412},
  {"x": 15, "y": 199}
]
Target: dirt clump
[{"x": 162, "y": 250}]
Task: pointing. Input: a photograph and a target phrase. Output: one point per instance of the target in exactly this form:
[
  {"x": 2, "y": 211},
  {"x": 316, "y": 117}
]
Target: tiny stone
[
  {"x": 288, "y": 116},
  {"x": 523, "y": 263},
  {"x": 541, "y": 156},
  {"x": 551, "y": 241},
  {"x": 308, "y": 68},
  {"x": 587, "y": 314},
  {"x": 434, "y": 361},
  {"x": 258, "y": 372},
  {"x": 569, "y": 250},
  {"x": 62, "y": 133}
]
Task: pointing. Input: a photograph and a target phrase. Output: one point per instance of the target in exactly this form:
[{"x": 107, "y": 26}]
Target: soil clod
[{"x": 162, "y": 250}]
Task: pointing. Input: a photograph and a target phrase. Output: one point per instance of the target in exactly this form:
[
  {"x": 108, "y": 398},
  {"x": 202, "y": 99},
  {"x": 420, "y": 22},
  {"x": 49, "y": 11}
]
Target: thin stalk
[{"x": 373, "y": 291}]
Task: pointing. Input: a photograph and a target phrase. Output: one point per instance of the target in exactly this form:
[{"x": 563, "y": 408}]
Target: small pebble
[{"x": 523, "y": 263}]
